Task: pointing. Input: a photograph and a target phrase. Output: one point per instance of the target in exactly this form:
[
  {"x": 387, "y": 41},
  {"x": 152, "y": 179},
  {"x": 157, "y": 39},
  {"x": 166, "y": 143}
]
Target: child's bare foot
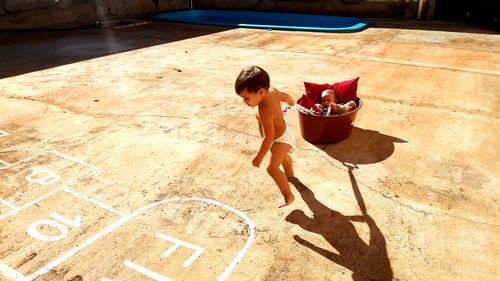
[
  {"x": 288, "y": 200},
  {"x": 289, "y": 175}
]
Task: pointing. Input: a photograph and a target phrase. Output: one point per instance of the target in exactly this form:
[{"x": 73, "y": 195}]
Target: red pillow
[
  {"x": 346, "y": 90},
  {"x": 307, "y": 102},
  {"x": 314, "y": 90}
]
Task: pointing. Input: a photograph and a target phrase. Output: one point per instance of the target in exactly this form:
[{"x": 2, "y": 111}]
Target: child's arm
[
  {"x": 268, "y": 136},
  {"x": 284, "y": 97}
]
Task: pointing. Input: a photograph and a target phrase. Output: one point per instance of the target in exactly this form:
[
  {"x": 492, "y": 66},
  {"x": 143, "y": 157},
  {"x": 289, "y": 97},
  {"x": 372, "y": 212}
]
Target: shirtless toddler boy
[{"x": 253, "y": 85}]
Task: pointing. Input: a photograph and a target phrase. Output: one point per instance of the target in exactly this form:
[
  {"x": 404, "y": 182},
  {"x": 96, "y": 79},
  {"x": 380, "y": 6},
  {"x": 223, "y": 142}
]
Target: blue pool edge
[{"x": 173, "y": 16}]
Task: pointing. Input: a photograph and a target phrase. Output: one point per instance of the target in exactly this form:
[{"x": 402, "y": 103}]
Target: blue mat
[{"x": 266, "y": 20}]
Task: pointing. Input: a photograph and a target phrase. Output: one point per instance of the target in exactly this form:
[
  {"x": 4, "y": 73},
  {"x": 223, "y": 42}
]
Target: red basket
[{"x": 328, "y": 129}]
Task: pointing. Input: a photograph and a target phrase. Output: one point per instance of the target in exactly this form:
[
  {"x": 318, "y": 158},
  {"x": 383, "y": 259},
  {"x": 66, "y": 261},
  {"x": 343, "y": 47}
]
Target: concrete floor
[{"x": 126, "y": 155}]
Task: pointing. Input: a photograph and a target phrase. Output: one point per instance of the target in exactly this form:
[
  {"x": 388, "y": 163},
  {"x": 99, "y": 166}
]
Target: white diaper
[{"x": 287, "y": 138}]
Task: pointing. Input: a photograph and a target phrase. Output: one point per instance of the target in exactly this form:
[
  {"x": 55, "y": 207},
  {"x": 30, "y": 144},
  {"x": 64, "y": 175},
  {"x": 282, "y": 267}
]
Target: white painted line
[
  {"x": 95, "y": 202},
  {"x": 76, "y": 249},
  {"x": 124, "y": 219},
  {"x": 29, "y": 204},
  {"x": 3, "y": 133},
  {"x": 29, "y": 158},
  {"x": 6, "y": 164},
  {"x": 9, "y": 272},
  {"x": 405, "y": 62},
  {"x": 9, "y": 213},
  {"x": 8, "y": 204},
  {"x": 145, "y": 271},
  {"x": 96, "y": 170},
  {"x": 251, "y": 226},
  {"x": 105, "y": 279},
  {"x": 77, "y": 160},
  {"x": 198, "y": 250},
  {"x": 76, "y": 222}
]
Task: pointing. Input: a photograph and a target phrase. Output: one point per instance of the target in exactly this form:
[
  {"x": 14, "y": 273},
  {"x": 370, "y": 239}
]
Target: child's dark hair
[{"x": 252, "y": 78}]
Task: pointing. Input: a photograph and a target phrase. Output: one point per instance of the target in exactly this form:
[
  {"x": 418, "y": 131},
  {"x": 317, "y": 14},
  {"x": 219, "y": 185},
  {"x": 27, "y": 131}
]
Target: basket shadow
[
  {"x": 366, "y": 261},
  {"x": 362, "y": 147}
]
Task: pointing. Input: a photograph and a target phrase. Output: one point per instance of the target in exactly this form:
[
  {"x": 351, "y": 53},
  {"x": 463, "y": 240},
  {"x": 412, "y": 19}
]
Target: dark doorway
[
  {"x": 450, "y": 10},
  {"x": 471, "y": 11}
]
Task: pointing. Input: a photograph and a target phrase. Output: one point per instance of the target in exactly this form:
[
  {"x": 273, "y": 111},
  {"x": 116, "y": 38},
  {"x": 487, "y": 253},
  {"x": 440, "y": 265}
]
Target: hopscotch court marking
[
  {"x": 120, "y": 222},
  {"x": 8, "y": 204},
  {"x": 10, "y": 272},
  {"x": 94, "y": 172},
  {"x": 6, "y": 164},
  {"x": 14, "y": 274},
  {"x": 149, "y": 273},
  {"x": 95, "y": 202}
]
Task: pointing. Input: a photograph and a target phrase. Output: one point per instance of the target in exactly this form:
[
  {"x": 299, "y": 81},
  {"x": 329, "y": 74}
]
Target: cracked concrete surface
[{"x": 148, "y": 113}]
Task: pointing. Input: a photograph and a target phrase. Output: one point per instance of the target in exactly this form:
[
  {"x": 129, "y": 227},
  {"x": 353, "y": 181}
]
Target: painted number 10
[{"x": 58, "y": 222}]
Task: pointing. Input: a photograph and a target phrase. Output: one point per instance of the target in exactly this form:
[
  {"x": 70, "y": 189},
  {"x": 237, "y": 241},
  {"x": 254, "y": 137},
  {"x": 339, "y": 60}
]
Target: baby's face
[{"x": 329, "y": 98}]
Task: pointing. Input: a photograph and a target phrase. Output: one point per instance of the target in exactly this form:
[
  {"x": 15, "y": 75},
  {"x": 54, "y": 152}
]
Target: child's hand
[
  {"x": 256, "y": 161},
  {"x": 290, "y": 101},
  {"x": 335, "y": 107}
]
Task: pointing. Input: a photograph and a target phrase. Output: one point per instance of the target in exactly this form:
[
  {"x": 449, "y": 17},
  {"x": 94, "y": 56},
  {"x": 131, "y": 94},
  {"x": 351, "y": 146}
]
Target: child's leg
[
  {"x": 279, "y": 151},
  {"x": 288, "y": 166}
]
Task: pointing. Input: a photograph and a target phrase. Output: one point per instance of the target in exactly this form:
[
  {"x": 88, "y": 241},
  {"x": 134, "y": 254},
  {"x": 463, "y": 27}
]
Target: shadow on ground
[
  {"x": 366, "y": 261},
  {"x": 362, "y": 147},
  {"x": 28, "y": 51}
]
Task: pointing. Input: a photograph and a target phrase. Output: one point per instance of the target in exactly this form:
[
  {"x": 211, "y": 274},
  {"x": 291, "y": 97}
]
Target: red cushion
[
  {"x": 308, "y": 103},
  {"x": 346, "y": 90},
  {"x": 314, "y": 90}
]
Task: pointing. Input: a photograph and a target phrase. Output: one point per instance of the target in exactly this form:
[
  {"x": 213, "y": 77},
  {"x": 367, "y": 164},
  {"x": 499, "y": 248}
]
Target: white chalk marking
[
  {"x": 3, "y": 133},
  {"x": 29, "y": 204},
  {"x": 96, "y": 170},
  {"x": 149, "y": 273},
  {"x": 250, "y": 223},
  {"x": 9, "y": 272},
  {"x": 78, "y": 248},
  {"x": 124, "y": 219},
  {"x": 198, "y": 250},
  {"x": 28, "y": 159},
  {"x": 8, "y": 204},
  {"x": 77, "y": 160},
  {"x": 76, "y": 222},
  {"x": 49, "y": 178},
  {"x": 33, "y": 230},
  {"x": 95, "y": 202},
  {"x": 6, "y": 164},
  {"x": 105, "y": 279}
]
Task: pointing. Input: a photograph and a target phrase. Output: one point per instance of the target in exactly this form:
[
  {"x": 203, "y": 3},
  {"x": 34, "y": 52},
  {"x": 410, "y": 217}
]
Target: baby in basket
[{"x": 330, "y": 106}]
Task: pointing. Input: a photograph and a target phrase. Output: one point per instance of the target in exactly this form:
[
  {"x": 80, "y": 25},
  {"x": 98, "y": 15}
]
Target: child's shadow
[{"x": 366, "y": 261}]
